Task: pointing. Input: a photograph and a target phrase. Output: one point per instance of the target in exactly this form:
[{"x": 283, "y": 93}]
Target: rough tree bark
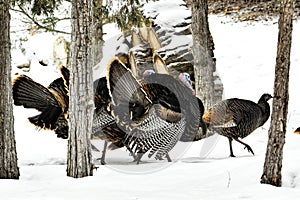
[
  {"x": 97, "y": 33},
  {"x": 79, "y": 163},
  {"x": 273, "y": 161},
  {"x": 8, "y": 154},
  {"x": 204, "y": 64}
]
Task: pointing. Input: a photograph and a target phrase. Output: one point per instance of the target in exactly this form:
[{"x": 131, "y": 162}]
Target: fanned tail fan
[
  {"x": 129, "y": 99},
  {"x": 29, "y": 94}
]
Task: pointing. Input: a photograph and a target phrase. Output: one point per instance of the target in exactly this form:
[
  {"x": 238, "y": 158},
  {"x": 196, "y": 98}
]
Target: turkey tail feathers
[
  {"x": 129, "y": 99},
  {"x": 122, "y": 84},
  {"x": 65, "y": 75},
  {"x": 30, "y": 94}
]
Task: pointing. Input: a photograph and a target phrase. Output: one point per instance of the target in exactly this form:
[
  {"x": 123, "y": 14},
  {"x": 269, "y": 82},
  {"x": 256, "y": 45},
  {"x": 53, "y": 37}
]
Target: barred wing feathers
[{"x": 175, "y": 96}]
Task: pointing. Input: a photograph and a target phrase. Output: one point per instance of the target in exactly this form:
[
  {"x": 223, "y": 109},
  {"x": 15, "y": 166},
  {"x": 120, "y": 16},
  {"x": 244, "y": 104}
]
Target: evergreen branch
[{"x": 39, "y": 24}]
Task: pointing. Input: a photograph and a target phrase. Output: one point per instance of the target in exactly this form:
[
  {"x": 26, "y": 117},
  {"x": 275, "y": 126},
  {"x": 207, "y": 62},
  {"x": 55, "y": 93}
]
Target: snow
[
  {"x": 246, "y": 54},
  {"x": 168, "y": 13},
  {"x": 170, "y": 26},
  {"x": 112, "y": 46}
]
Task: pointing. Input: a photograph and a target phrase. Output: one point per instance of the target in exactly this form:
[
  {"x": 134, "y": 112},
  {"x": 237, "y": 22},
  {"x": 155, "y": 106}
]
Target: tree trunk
[
  {"x": 273, "y": 161},
  {"x": 8, "y": 154},
  {"x": 97, "y": 33},
  {"x": 79, "y": 162},
  {"x": 204, "y": 65}
]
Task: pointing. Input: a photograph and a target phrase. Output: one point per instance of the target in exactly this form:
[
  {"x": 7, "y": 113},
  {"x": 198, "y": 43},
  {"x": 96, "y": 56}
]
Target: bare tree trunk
[
  {"x": 204, "y": 65},
  {"x": 273, "y": 161},
  {"x": 79, "y": 162},
  {"x": 97, "y": 33},
  {"x": 8, "y": 154}
]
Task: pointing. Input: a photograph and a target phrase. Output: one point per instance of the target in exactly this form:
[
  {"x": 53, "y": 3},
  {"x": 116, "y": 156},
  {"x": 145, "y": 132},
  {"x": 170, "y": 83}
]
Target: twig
[{"x": 229, "y": 179}]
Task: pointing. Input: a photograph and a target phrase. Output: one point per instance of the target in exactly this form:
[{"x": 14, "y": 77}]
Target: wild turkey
[
  {"x": 52, "y": 102},
  {"x": 112, "y": 133},
  {"x": 153, "y": 113},
  {"x": 237, "y": 118}
]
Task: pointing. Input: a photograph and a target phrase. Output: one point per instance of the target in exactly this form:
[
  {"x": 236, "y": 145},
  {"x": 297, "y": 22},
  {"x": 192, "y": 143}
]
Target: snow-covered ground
[{"x": 245, "y": 55}]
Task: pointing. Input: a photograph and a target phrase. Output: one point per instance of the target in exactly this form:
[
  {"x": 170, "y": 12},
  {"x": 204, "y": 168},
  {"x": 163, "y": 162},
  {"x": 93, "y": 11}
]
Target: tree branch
[{"x": 39, "y": 24}]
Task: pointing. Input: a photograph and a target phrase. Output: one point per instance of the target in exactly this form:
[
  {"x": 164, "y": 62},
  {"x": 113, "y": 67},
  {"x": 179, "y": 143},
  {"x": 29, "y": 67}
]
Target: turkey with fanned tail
[
  {"x": 112, "y": 133},
  {"x": 153, "y": 114},
  {"x": 237, "y": 118}
]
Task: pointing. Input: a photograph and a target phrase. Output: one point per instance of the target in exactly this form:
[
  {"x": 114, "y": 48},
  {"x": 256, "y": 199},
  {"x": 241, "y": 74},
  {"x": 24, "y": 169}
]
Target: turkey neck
[{"x": 265, "y": 110}]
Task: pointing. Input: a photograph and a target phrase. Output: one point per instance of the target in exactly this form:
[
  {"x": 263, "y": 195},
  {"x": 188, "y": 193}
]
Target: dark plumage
[
  {"x": 52, "y": 102},
  {"x": 237, "y": 118},
  {"x": 104, "y": 124},
  {"x": 166, "y": 99},
  {"x": 178, "y": 96},
  {"x": 153, "y": 113}
]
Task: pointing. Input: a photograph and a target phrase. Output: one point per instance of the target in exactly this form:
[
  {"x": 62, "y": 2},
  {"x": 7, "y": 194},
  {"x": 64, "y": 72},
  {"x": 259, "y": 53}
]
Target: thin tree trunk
[
  {"x": 204, "y": 65},
  {"x": 273, "y": 161},
  {"x": 8, "y": 154},
  {"x": 97, "y": 33},
  {"x": 79, "y": 162}
]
